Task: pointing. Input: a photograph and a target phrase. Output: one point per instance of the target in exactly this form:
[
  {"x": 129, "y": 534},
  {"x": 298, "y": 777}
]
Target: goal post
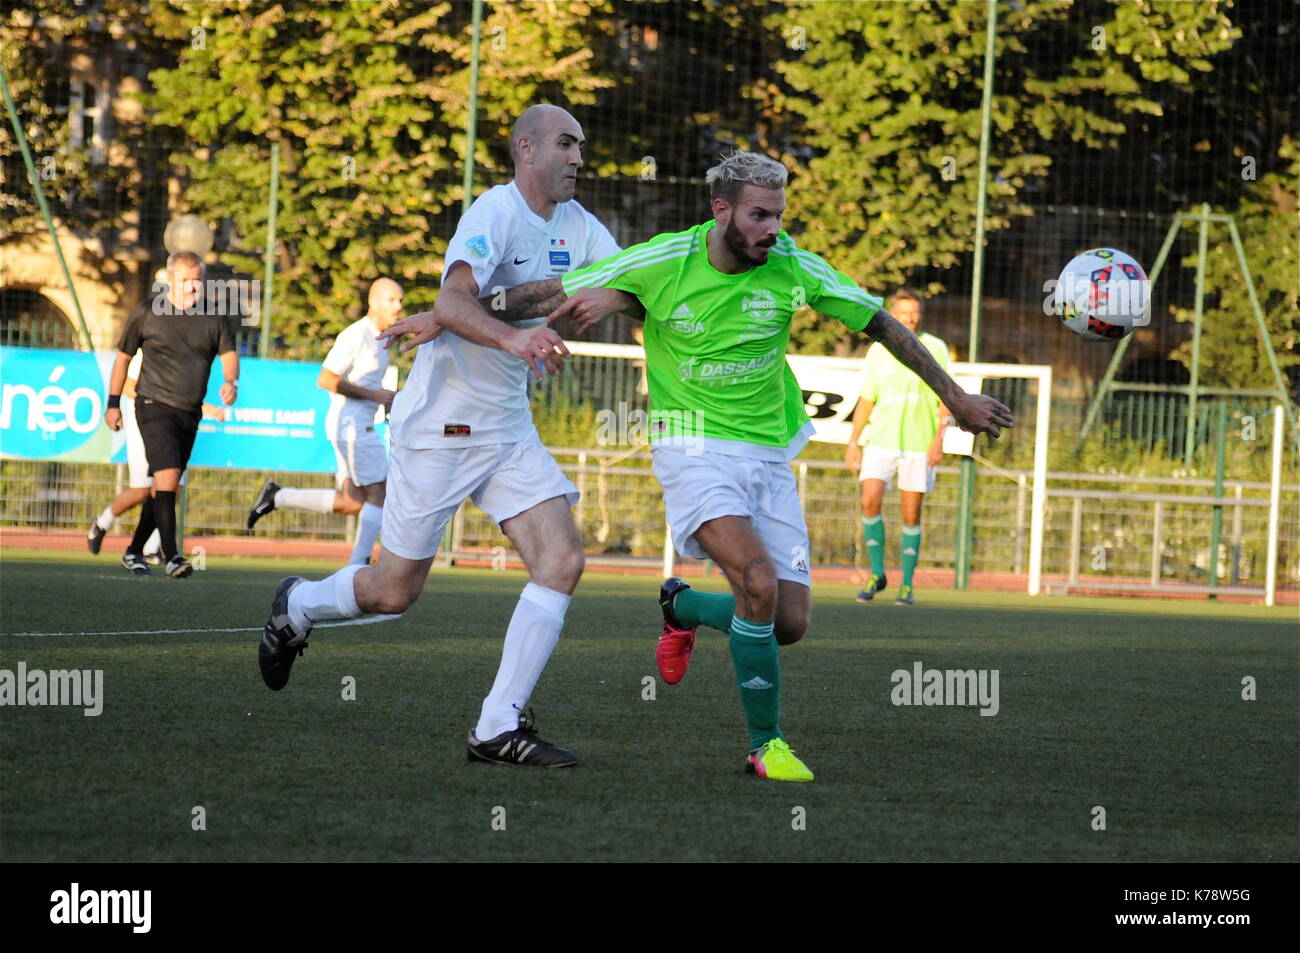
[{"x": 830, "y": 387}]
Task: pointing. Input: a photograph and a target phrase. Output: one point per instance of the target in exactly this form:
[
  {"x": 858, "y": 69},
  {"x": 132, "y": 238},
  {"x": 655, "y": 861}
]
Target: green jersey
[
  {"x": 906, "y": 412},
  {"x": 715, "y": 343}
]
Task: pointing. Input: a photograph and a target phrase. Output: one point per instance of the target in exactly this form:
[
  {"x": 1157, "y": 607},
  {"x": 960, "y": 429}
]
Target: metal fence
[{"x": 1101, "y": 529}]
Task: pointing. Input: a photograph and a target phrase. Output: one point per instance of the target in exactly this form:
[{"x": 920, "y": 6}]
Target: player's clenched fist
[
  {"x": 113, "y": 418},
  {"x": 980, "y": 413},
  {"x": 538, "y": 346},
  {"x": 422, "y": 328}
]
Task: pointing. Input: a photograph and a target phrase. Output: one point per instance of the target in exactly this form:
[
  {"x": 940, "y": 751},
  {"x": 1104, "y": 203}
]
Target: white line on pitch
[{"x": 365, "y": 620}]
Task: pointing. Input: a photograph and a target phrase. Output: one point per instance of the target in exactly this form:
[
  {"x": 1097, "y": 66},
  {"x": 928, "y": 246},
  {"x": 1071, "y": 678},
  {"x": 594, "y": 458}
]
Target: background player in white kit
[
  {"x": 461, "y": 427},
  {"x": 353, "y": 373}
]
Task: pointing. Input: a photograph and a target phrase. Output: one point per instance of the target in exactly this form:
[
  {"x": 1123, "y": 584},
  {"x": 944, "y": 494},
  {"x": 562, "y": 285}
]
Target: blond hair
[{"x": 740, "y": 169}]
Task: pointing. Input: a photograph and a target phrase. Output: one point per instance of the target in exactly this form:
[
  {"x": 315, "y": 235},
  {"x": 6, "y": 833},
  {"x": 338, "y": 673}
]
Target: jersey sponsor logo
[
  {"x": 686, "y": 369},
  {"x": 478, "y": 245},
  {"x": 737, "y": 369},
  {"x": 455, "y": 430},
  {"x": 683, "y": 321},
  {"x": 764, "y": 316},
  {"x": 559, "y": 259},
  {"x": 521, "y": 261}
]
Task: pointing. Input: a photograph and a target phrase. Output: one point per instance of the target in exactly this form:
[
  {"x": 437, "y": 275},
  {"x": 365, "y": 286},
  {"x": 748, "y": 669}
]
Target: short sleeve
[
  {"x": 133, "y": 333},
  {"x": 341, "y": 356},
  {"x": 600, "y": 243},
  {"x": 627, "y": 270},
  {"x": 225, "y": 337},
  {"x": 481, "y": 240},
  {"x": 835, "y": 294}
]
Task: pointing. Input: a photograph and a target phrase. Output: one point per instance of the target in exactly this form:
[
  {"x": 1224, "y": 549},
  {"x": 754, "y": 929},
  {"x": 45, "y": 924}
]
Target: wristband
[
  {"x": 114, "y": 401},
  {"x": 235, "y": 382}
]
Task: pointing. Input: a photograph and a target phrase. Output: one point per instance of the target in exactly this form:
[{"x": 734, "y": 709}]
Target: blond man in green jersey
[
  {"x": 727, "y": 416},
  {"x": 904, "y": 423}
]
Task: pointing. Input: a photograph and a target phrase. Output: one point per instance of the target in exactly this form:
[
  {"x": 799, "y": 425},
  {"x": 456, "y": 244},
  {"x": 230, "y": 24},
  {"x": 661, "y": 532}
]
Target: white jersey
[
  {"x": 358, "y": 358},
  {"x": 462, "y": 394}
]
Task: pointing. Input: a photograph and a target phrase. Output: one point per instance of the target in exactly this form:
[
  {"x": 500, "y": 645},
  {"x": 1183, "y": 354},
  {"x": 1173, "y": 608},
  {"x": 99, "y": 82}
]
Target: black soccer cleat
[
  {"x": 281, "y": 643},
  {"x": 521, "y": 746},
  {"x": 178, "y": 567},
  {"x": 874, "y": 585},
  {"x": 154, "y": 558},
  {"x": 95, "y": 537},
  {"x": 133, "y": 564},
  {"x": 667, "y": 593},
  {"x": 265, "y": 502}
]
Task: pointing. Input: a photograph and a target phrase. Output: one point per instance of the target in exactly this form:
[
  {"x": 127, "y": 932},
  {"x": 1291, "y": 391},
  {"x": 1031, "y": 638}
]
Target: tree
[
  {"x": 1268, "y": 218},
  {"x": 888, "y": 98},
  {"x": 368, "y": 103}
]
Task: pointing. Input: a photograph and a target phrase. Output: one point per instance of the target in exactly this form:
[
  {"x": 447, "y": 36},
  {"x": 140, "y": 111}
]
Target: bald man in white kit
[
  {"x": 462, "y": 427},
  {"x": 353, "y": 373}
]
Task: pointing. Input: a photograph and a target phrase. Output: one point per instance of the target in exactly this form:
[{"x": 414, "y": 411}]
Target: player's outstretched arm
[
  {"x": 974, "y": 412},
  {"x": 522, "y": 302},
  {"x": 458, "y": 310}
]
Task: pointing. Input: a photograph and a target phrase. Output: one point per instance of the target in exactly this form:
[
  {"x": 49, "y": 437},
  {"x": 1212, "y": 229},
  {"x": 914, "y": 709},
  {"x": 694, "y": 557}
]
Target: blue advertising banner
[{"x": 52, "y": 408}]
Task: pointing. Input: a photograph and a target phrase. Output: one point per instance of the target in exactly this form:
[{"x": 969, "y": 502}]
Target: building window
[{"x": 87, "y": 117}]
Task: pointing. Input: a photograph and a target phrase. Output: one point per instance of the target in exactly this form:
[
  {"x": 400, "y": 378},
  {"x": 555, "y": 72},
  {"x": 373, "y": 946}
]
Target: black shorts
[{"x": 168, "y": 434}]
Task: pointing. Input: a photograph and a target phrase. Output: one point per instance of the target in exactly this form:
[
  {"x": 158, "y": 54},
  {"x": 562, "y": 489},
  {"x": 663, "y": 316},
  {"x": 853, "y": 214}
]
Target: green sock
[
  {"x": 911, "y": 550},
  {"x": 873, "y": 534},
  {"x": 713, "y": 609},
  {"x": 758, "y": 673}
]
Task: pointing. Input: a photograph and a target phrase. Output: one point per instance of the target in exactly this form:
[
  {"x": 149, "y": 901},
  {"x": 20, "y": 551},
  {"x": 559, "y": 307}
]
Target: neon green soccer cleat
[
  {"x": 776, "y": 762},
  {"x": 905, "y": 597}
]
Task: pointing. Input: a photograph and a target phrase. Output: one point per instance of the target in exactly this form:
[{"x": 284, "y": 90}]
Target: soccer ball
[{"x": 1103, "y": 294}]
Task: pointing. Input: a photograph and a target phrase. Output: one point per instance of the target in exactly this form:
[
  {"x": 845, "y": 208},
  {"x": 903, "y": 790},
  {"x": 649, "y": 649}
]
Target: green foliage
[
  {"x": 86, "y": 193},
  {"x": 1232, "y": 354},
  {"x": 368, "y": 103},
  {"x": 891, "y": 183}
]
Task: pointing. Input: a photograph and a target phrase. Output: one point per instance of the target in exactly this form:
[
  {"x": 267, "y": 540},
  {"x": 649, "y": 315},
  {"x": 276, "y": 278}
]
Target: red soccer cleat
[{"x": 673, "y": 654}]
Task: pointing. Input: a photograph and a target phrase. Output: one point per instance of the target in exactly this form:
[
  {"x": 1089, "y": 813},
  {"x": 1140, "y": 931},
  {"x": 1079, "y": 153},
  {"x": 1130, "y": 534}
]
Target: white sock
[
  {"x": 334, "y": 597},
  {"x": 530, "y": 639},
  {"x": 372, "y": 518},
  {"x": 105, "y": 519},
  {"x": 319, "y": 501},
  {"x": 153, "y": 544}
]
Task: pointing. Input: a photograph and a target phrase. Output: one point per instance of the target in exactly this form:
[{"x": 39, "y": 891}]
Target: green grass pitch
[{"x": 1130, "y": 705}]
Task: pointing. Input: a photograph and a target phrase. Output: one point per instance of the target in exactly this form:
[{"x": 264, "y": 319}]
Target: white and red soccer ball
[{"x": 1103, "y": 294}]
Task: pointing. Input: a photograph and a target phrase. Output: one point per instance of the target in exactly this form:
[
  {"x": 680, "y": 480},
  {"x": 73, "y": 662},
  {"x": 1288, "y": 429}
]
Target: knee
[
  {"x": 384, "y": 596},
  {"x": 758, "y": 586},
  {"x": 565, "y": 569},
  {"x": 789, "y": 634}
]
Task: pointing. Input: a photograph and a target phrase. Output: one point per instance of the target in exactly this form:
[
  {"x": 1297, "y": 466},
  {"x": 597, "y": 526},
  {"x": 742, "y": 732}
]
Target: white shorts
[
  {"x": 137, "y": 465},
  {"x": 914, "y": 474},
  {"x": 702, "y": 487},
  {"x": 426, "y": 487},
  {"x": 360, "y": 454}
]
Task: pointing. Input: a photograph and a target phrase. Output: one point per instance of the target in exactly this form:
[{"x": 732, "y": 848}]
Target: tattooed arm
[
  {"x": 529, "y": 300},
  {"x": 974, "y": 412}
]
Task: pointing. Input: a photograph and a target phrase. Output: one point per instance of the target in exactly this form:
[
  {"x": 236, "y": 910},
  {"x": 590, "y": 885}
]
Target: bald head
[
  {"x": 546, "y": 146},
  {"x": 535, "y": 124},
  {"x": 385, "y": 302}
]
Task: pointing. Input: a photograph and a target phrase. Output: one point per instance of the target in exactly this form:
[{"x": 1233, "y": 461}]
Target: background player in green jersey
[
  {"x": 727, "y": 416},
  {"x": 905, "y": 421}
]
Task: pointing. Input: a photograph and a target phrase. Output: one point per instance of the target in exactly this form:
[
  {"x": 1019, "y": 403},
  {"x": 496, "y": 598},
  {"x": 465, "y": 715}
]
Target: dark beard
[{"x": 733, "y": 240}]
